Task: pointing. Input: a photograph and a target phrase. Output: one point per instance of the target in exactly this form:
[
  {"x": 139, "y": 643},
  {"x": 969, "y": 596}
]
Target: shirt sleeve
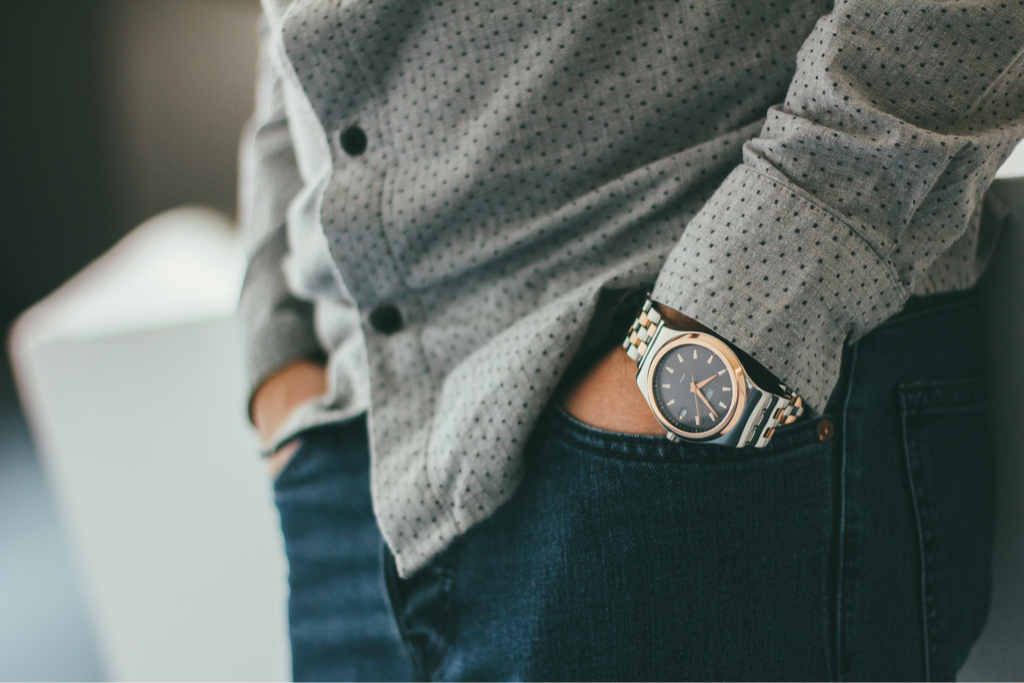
[
  {"x": 278, "y": 327},
  {"x": 898, "y": 116}
]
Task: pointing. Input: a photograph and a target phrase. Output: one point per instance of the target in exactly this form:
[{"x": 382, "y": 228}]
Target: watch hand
[
  {"x": 700, "y": 385},
  {"x": 694, "y": 389},
  {"x": 696, "y": 406}
]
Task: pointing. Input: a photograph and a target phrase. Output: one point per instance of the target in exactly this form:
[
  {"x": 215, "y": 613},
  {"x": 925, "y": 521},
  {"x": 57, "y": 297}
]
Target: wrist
[{"x": 606, "y": 396}]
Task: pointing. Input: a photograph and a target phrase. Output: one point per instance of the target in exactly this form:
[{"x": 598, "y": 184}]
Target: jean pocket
[
  {"x": 629, "y": 446},
  {"x": 692, "y": 559},
  {"x": 287, "y": 472},
  {"x": 948, "y": 449}
]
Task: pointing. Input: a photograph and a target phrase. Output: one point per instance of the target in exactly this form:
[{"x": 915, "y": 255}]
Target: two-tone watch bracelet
[
  {"x": 644, "y": 327},
  {"x": 788, "y": 408}
]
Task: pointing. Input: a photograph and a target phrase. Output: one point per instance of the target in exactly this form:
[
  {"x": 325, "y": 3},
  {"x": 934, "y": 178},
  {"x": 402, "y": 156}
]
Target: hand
[
  {"x": 277, "y": 397},
  {"x": 700, "y": 385},
  {"x": 695, "y": 388},
  {"x": 281, "y": 457},
  {"x": 606, "y": 396}
]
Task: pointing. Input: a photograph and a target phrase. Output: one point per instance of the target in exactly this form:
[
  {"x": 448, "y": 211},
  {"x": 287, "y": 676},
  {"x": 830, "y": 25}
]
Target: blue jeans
[
  {"x": 341, "y": 624},
  {"x": 861, "y": 556}
]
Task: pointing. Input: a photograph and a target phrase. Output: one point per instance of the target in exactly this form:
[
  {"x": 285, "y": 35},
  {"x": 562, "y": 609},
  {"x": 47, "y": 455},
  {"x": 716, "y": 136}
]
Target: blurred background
[
  {"x": 114, "y": 111},
  {"x": 138, "y": 540}
]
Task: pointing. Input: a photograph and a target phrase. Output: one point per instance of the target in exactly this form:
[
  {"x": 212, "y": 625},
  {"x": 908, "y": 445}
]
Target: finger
[{"x": 281, "y": 457}]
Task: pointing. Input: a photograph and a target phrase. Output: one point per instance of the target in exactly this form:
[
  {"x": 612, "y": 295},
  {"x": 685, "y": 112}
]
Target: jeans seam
[
  {"x": 841, "y": 550},
  {"x": 417, "y": 657},
  {"x": 922, "y": 551},
  {"x": 448, "y": 581},
  {"x": 390, "y": 590}
]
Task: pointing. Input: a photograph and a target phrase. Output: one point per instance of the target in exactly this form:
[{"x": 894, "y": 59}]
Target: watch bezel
[{"x": 732, "y": 364}]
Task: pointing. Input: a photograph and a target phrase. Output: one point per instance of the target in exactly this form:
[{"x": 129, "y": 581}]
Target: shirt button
[
  {"x": 386, "y": 319},
  {"x": 825, "y": 429},
  {"x": 353, "y": 141}
]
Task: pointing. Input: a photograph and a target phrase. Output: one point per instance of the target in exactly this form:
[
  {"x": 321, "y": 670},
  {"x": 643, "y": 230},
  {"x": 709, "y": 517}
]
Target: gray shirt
[{"x": 787, "y": 173}]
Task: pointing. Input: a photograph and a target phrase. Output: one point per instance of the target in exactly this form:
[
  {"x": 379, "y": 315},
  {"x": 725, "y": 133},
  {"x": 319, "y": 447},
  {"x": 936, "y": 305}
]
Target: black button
[
  {"x": 386, "y": 318},
  {"x": 353, "y": 141},
  {"x": 825, "y": 429}
]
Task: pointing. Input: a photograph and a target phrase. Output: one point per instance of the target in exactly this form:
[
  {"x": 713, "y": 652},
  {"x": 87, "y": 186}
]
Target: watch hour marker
[
  {"x": 671, "y": 402},
  {"x": 670, "y": 370},
  {"x": 684, "y": 414},
  {"x": 722, "y": 404},
  {"x": 680, "y": 358},
  {"x": 666, "y": 386},
  {"x": 695, "y": 354},
  {"x": 727, "y": 389},
  {"x": 710, "y": 358},
  {"x": 721, "y": 372}
]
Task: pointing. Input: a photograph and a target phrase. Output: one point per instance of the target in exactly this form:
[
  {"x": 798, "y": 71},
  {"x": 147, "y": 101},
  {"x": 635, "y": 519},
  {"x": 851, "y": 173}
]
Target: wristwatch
[{"x": 700, "y": 391}]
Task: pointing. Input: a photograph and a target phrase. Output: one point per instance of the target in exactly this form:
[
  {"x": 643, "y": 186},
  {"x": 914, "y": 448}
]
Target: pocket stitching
[
  {"x": 944, "y": 397},
  {"x": 927, "y": 631},
  {"x": 719, "y": 453}
]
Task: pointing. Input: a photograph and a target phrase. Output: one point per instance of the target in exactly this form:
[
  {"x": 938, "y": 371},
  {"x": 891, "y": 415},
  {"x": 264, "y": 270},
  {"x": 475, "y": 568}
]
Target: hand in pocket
[
  {"x": 275, "y": 400},
  {"x": 606, "y": 396}
]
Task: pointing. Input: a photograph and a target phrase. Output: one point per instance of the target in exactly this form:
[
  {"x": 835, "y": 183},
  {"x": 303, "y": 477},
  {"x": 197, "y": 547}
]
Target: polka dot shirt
[{"x": 441, "y": 197}]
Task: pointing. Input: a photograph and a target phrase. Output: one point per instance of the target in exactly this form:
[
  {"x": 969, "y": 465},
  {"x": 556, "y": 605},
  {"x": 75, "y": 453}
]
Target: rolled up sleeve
[
  {"x": 892, "y": 129},
  {"x": 277, "y": 326}
]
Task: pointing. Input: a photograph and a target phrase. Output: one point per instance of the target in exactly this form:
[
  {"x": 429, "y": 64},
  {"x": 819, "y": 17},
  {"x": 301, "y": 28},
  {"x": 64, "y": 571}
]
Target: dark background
[
  {"x": 113, "y": 111},
  {"x": 59, "y": 198}
]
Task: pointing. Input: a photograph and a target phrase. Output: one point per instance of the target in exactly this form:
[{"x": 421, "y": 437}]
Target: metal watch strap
[
  {"x": 644, "y": 327},
  {"x": 786, "y": 409},
  {"x": 783, "y": 409}
]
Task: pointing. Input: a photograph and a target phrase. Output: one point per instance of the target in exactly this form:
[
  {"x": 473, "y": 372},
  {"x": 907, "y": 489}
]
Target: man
[{"x": 456, "y": 212}]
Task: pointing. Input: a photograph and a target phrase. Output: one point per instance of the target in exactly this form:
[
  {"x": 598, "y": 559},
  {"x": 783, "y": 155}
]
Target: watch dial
[{"x": 693, "y": 388}]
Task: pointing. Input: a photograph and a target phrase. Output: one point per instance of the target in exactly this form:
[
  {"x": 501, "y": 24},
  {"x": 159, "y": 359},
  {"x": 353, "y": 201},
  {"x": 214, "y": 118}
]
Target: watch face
[{"x": 694, "y": 388}]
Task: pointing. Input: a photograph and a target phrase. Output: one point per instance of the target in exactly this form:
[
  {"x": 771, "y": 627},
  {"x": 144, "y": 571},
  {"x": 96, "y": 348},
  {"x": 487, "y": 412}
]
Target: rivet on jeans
[{"x": 825, "y": 429}]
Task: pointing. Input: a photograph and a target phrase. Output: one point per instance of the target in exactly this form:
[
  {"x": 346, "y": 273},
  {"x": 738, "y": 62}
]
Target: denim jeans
[
  {"x": 341, "y": 625},
  {"x": 860, "y": 551}
]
